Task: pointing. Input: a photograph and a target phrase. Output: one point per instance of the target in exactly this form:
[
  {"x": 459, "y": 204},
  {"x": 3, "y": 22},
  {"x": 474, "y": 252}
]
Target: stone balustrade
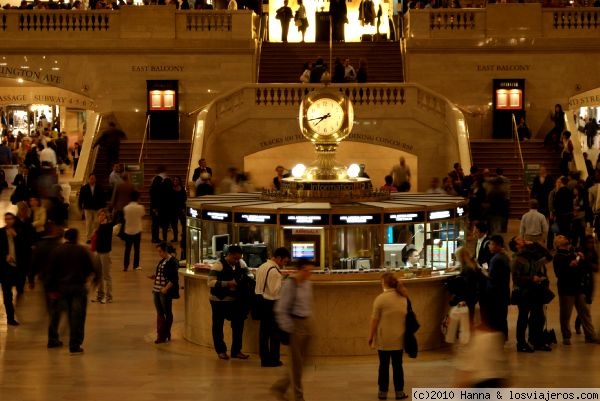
[
  {"x": 498, "y": 21},
  {"x": 206, "y": 28}
]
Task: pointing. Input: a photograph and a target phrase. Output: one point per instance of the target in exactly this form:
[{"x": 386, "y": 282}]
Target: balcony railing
[
  {"x": 497, "y": 21},
  {"x": 204, "y": 28}
]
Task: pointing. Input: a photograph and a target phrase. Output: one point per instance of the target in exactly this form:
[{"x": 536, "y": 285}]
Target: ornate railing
[
  {"x": 452, "y": 20},
  {"x": 64, "y": 21},
  {"x": 209, "y": 21},
  {"x": 201, "y": 28},
  {"x": 504, "y": 21},
  {"x": 359, "y": 95},
  {"x": 576, "y": 19}
]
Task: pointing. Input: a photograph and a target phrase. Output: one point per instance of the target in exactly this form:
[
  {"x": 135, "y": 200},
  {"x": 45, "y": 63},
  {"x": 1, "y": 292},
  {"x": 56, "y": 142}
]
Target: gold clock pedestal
[{"x": 326, "y": 118}]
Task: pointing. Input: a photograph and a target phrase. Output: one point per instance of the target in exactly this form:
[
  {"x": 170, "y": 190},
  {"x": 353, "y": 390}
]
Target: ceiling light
[{"x": 20, "y": 80}]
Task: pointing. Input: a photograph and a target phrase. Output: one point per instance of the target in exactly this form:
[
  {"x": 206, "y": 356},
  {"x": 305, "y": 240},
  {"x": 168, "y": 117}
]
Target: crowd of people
[{"x": 318, "y": 72}]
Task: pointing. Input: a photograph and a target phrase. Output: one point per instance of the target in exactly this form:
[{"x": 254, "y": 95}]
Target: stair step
[{"x": 282, "y": 62}]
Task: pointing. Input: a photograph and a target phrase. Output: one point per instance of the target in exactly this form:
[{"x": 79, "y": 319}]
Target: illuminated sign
[
  {"x": 192, "y": 212},
  {"x": 403, "y": 217},
  {"x": 356, "y": 219},
  {"x": 255, "y": 218},
  {"x": 305, "y": 219},
  {"x": 441, "y": 214},
  {"x": 216, "y": 216}
]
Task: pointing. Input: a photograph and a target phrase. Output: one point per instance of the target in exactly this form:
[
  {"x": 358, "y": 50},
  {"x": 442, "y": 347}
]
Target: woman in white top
[
  {"x": 387, "y": 334},
  {"x": 38, "y": 216}
]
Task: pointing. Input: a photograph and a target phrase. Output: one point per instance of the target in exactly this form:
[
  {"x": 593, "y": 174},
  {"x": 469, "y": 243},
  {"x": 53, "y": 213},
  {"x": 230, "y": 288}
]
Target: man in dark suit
[
  {"x": 70, "y": 268},
  {"x": 11, "y": 252},
  {"x": 91, "y": 199},
  {"x": 496, "y": 297},
  {"x": 482, "y": 253},
  {"x": 202, "y": 168}
]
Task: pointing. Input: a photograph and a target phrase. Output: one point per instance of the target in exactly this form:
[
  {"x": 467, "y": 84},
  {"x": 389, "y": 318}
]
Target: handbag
[
  {"x": 298, "y": 22},
  {"x": 411, "y": 347}
]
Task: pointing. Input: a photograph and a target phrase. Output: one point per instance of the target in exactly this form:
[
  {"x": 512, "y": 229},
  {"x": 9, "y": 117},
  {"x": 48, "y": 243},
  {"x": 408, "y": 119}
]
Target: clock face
[{"x": 325, "y": 116}]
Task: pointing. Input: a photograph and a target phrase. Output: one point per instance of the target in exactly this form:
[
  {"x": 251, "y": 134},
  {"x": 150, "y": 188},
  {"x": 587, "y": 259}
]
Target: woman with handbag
[
  {"x": 165, "y": 290},
  {"x": 569, "y": 269},
  {"x": 387, "y": 333},
  {"x": 300, "y": 19}
]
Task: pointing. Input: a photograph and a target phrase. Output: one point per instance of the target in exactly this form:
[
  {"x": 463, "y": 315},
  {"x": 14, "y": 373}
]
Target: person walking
[
  {"x": 133, "y": 214},
  {"x": 121, "y": 196},
  {"x": 300, "y": 19},
  {"x": 91, "y": 199},
  {"x": 102, "y": 245},
  {"x": 569, "y": 269},
  {"x": 165, "y": 290},
  {"x": 293, "y": 313},
  {"x": 495, "y": 296},
  {"x": 110, "y": 142},
  {"x": 528, "y": 273},
  {"x": 284, "y": 15},
  {"x": 72, "y": 266},
  {"x": 11, "y": 254},
  {"x": 268, "y": 285},
  {"x": 226, "y": 281},
  {"x": 387, "y": 334}
]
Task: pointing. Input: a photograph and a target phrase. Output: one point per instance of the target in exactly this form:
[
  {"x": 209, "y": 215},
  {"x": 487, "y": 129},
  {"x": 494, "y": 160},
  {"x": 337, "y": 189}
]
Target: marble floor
[{"x": 121, "y": 362}]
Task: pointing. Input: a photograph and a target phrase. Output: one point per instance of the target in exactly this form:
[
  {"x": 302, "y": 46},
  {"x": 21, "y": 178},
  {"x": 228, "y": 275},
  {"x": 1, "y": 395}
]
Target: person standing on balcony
[
  {"x": 232, "y": 5},
  {"x": 300, "y": 19},
  {"x": 284, "y": 15},
  {"x": 339, "y": 18}
]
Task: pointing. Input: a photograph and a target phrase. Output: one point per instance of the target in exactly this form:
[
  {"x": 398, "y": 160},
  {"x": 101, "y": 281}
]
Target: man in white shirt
[
  {"x": 268, "y": 284},
  {"x": 47, "y": 156},
  {"x": 133, "y": 214},
  {"x": 349, "y": 72},
  {"x": 534, "y": 226},
  {"x": 115, "y": 178}
]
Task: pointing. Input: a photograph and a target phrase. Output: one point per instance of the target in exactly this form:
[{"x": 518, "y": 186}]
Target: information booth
[{"x": 351, "y": 244}]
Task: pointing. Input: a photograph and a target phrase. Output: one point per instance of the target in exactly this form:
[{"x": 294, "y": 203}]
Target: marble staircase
[
  {"x": 282, "y": 62},
  {"x": 492, "y": 154}
]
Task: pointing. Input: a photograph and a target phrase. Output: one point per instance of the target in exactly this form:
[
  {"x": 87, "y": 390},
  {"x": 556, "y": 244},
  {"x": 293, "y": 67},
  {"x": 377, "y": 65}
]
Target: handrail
[
  {"x": 144, "y": 138},
  {"x": 518, "y": 143},
  {"x": 189, "y": 165},
  {"x": 94, "y": 155}
]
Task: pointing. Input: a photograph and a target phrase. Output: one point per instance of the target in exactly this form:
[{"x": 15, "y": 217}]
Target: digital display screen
[{"x": 305, "y": 250}]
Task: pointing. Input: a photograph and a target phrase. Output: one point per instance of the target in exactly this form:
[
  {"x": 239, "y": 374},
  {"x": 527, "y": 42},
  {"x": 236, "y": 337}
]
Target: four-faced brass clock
[{"x": 326, "y": 117}]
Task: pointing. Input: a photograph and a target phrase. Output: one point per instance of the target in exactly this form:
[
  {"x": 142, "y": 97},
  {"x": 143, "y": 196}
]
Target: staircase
[
  {"x": 282, "y": 62},
  {"x": 173, "y": 154},
  {"x": 492, "y": 154}
]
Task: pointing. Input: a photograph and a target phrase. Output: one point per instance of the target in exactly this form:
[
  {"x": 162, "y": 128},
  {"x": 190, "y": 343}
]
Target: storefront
[{"x": 31, "y": 110}]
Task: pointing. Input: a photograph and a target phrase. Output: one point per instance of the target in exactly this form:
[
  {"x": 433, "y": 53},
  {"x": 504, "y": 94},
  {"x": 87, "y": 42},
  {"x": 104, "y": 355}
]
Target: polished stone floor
[{"x": 121, "y": 362}]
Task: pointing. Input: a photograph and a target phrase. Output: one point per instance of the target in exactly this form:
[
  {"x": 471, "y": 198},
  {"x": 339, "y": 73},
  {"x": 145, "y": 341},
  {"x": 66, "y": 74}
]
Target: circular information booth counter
[{"x": 351, "y": 244}]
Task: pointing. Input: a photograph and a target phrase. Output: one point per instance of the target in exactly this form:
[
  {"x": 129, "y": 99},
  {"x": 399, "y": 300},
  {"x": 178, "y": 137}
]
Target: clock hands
[{"x": 320, "y": 118}]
